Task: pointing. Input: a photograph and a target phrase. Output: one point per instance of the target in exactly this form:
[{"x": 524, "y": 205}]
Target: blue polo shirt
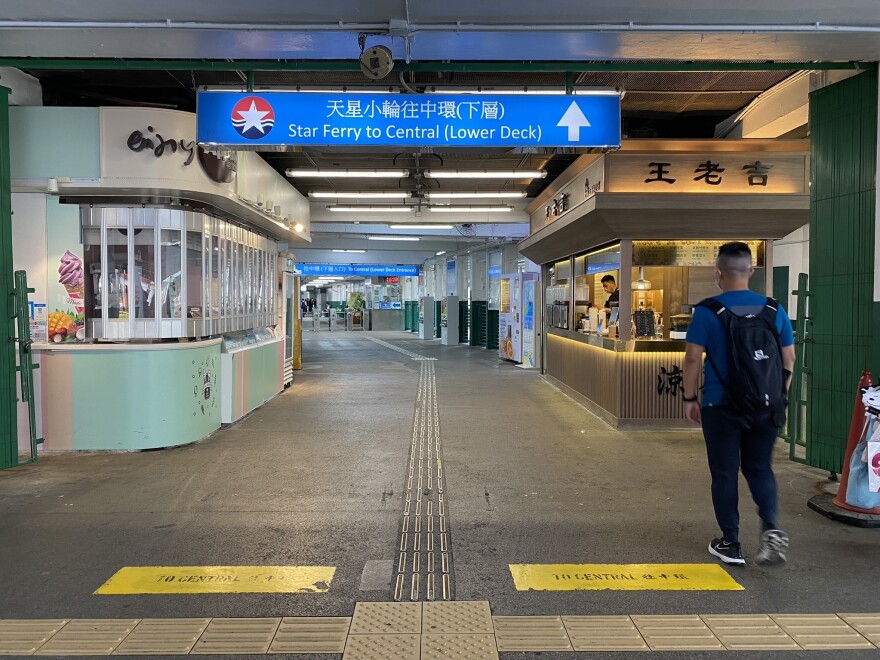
[{"x": 707, "y": 330}]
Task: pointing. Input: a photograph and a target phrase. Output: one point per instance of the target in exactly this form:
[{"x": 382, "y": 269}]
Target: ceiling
[{"x": 682, "y": 68}]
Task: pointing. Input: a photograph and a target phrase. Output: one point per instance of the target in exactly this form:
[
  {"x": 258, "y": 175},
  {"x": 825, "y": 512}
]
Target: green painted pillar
[
  {"x": 843, "y": 145},
  {"x": 8, "y": 393}
]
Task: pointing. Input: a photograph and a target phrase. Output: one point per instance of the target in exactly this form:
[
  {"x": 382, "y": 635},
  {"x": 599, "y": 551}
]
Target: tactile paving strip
[
  {"x": 237, "y": 636},
  {"x": 382, "y": 647},
  {"x": 311, "y": 635},
  {"x": 457, "y": 617},
  {"x": 603, "y": 633},
  {"x": 868, "y": 625},
  {"x": 24, "y": 636},
  {"x": 88, "y": 637},
  {"x": 531, "y": 633},
  {"x": 677, "y": 633},
  {"x": 459, "y": 647},
  {"x": 815, "y": 632},
  {"x": 749, "y": 632},
  {"x": 386, "y": 619},
  {"x": 163, "y": 637}
]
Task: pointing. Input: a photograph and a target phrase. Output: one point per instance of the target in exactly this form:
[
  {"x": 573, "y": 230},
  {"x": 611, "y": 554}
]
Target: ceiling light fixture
[
  {"x": 476, "y": 195},
  {"x": 369, "y": 209},
  {"x": 470, "y": 209},
  {"x": 485, "y": 174},
  {"x": 393, "y": 238},
  {"x": 298, "y": 227},
  {"x": 411, "y": 226},
  {"x": 347, "y": 174},
  {"x": 351, "y": 251},
  {"x": 440, "y": 254},
  {"x": 329, "y": 194}
]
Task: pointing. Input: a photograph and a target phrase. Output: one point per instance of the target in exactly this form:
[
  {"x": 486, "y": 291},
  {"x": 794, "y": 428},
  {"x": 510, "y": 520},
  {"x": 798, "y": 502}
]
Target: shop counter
[
  {"x": 251, "y": 372},
  {"x": 128, "y": 396},
  {"x": 630, "y": 384}
]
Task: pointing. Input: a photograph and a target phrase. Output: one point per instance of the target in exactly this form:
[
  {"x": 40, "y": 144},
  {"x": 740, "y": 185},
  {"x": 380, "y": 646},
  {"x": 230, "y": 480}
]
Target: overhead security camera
[{"x": 377, "y": 62}]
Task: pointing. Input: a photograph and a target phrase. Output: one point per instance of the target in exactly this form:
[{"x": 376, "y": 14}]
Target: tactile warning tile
[
  {"x": 815, "y": 632},
  {"x": 382, "y": 647},
  {"x": 386, "y": 619},
  {"x": 677, "y": 633},
  {"x": 237, "y": 636},
  {"x": 163, "y": 637},
  {"x": 459, "y": 647},
  {"x": 88, "y": 637},
  {"x": 868, "y": 625},
  {"x": 457, "y": 617},
  {"x": 749, "y": 632},
  {"x": 530, "y": 633},
  {"x": 311, "y": 635},
  {"x": 603, "y": 633},
  {"x": 24, "y": 636}
]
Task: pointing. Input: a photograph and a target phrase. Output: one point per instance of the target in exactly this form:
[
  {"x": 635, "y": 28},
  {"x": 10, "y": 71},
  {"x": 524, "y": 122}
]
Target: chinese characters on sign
[
  {"x": 557, "y": 206},
  {"x": 392, "y": 109},
  {"x": 670, "y": 381},
  {"x": 710, "y": 173}
]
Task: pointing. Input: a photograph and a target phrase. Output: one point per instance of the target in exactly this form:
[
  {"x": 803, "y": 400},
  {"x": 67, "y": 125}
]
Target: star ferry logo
[{"x": 253, "y": 117}]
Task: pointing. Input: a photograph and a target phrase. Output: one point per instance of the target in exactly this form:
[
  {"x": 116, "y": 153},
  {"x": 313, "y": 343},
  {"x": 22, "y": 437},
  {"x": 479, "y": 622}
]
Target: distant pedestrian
[
  {"x": 310, "y": 303},
  {"x": 303, "y": 306},
  {"x": 750, "y": 355}
]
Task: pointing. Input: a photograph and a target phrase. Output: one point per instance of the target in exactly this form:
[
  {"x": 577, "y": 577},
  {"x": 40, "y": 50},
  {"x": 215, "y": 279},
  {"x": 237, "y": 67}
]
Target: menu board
[{"x": 687, "y": 253}]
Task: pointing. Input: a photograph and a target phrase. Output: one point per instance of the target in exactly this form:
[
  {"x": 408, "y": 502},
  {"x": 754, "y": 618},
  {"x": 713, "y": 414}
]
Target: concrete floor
[{"x": 306, "y": 480}]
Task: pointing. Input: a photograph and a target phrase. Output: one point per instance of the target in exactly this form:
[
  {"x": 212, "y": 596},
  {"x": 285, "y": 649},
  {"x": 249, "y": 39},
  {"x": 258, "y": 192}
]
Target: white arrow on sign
[{"x": 574, "y": 119}]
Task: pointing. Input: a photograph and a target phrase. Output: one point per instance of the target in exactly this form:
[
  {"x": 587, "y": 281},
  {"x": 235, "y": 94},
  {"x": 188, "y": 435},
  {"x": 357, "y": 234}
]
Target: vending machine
[
  {"x": 530, "y": 344},
  {"x": 510, "y": 318},
  {"x": 449, "y": 321},
  {"x": 426, "y": 317}
]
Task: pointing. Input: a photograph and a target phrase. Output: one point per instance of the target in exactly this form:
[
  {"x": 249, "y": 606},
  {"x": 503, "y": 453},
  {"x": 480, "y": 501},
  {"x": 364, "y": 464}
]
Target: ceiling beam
[{"x": 250, "y": 66}]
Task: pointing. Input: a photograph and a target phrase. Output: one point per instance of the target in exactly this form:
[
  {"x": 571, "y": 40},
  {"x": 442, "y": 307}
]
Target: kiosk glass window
[
  {"x": 143, "y": 277},
  {"x": 92, "y": 266},
  {"x": 170, "y": 284}
]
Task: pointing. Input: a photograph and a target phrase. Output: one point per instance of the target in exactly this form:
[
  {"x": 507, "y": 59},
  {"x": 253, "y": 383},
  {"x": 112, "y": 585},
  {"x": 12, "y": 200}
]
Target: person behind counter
[{"x": 610, "y": 286}]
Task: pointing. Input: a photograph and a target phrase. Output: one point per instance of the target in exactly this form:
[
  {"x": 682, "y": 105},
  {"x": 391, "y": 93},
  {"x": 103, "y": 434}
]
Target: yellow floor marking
[
  {"x": 218, "y": 579},
  {"x": 622, "y": 577}
]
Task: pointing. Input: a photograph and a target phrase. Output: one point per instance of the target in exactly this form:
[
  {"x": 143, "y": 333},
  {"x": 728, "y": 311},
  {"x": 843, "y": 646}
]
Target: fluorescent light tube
[
  {"x": 370, "y": 209},
  {"x": 475, "y": 195},
  {"x": 329, "y": 194},
  {"x": 485, "y": 174},
  {"x": 470, "y": 209},
  {"x": 351, "y": 251},
  {"x": 409, "y": 226},
  {"x": 440, "y": 254},
  {"x": 347, "y": 174},
  {"x": 393, "y": 238}
]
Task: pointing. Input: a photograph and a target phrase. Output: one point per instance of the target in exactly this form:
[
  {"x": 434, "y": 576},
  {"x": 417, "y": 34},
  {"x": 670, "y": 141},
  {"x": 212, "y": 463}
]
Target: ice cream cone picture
[{"x": 72, "y": 277}]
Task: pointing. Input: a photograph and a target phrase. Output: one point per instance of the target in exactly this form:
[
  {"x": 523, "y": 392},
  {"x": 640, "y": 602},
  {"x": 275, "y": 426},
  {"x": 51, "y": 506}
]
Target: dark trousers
[{"x": 730, "y": 447}]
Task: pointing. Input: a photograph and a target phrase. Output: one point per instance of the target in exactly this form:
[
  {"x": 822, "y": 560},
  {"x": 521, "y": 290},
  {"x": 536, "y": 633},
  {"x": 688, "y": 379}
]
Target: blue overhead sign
[
  {"x": 358, "y": 270},
  {"x": 369, "y": 120}
]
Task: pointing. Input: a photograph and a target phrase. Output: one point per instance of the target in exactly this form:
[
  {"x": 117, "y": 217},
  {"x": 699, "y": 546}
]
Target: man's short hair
[
  {"x": 735, "y": 257},
  {"x": 608, "y": 278}
]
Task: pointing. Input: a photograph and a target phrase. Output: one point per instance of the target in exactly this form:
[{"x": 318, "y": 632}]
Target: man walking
[{"x": 749, "y": 348}]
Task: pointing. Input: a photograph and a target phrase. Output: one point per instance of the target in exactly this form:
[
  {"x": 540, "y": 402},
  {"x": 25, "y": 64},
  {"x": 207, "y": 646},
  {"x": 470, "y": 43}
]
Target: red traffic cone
[{"x": 855, "y": 435}]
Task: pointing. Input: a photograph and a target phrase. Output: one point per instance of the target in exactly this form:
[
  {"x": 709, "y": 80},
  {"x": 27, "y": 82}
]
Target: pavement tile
[
  {"x": 88, "y": 637},
  {"x": 311, "y": 635},
  {"x": 603, "y": 633},
  {"x": 531, "y": 633},
  {"x": 25, "y": 636},
  {"x": 382, "y": 647},
  {"x": 163, "y": 637},
  {"x": 459, "y": 647},
  {"x": 386, "y": 619},
  {"x": 677, "y": 633},
  {"x": 233, "y": 636},
  {"x": 457, "y": 617},
  {"x": 749, "y": 632},
  {"x": 868, "y": 625},
  {"x": 815, "y": 632}
]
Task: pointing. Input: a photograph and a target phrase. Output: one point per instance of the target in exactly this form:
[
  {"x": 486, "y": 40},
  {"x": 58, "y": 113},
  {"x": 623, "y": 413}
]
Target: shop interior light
[
  {"x": 470, "y": 209},
  {"x": 642, "y": 284},
  {"x": 298, "y": 227},
  {"x": 476, "y": 195},
  {"x": 351, "y": 251},
  {"x": 346, "y": 174},
  {"x": 412, "y": 226},
  {"x": 341, "y": 208},
  {"x": 393, "y": 238},
  {"x": 329, "y": 194},
  {"x": 485, "y": 174}
]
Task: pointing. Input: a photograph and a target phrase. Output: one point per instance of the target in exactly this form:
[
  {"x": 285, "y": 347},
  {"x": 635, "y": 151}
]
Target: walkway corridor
[{"x": 418, "y": 479}]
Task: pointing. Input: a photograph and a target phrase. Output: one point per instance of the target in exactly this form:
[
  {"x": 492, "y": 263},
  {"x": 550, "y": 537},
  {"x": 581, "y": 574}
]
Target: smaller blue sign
[
  {"x": 494, "y": 272},
  {"x": 358, "y": 270}
]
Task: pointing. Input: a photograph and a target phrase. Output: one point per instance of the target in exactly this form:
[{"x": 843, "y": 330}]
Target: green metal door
[
  {"x": 843, "y": 128},
  {"x": 8, "y": 395}
]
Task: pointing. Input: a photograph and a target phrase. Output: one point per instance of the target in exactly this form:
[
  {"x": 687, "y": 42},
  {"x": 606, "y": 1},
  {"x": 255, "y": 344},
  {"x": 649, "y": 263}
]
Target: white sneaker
[{"x": 773, "y": 548}]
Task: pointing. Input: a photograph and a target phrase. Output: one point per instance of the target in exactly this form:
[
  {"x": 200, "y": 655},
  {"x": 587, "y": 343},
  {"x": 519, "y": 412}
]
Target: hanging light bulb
[{"x": 642, "y": 284}]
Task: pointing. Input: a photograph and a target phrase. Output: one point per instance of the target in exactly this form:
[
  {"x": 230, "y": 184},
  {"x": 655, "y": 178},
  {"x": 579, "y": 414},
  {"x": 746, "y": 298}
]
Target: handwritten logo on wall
[{"x": 204, "y": 385}]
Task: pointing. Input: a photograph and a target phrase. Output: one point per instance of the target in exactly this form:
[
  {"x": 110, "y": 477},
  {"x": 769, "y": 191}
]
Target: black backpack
[{"x": 756, "y": 381}]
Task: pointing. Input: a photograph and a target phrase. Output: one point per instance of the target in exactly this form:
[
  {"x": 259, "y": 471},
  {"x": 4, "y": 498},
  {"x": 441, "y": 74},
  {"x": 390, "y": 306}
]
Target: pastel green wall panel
[
  {"x": 265, "y": 377},
  {"x": 54, "y": 141},
  {"x": 143, "y": 399}
]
